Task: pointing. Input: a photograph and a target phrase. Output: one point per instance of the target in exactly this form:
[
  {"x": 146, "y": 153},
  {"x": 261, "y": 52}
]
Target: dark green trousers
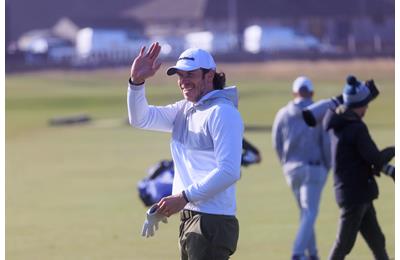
[{"x": 208, "y": 237}]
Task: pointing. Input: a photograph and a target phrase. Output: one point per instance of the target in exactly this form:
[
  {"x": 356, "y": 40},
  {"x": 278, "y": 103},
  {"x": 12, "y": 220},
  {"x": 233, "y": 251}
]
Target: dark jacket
[{"x": 355, "y": 157}]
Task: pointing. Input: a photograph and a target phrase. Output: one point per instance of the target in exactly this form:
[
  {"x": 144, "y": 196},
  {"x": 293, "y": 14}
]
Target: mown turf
[{"x": 71, "y": 190}]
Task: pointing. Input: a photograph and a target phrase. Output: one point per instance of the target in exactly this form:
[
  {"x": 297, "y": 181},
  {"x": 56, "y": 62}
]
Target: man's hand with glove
[{"x": 151, "y": 222}]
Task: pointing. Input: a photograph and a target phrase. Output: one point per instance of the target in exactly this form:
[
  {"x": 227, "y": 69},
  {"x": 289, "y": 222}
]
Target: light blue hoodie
[
  {"x": 295, "y": 142},
  {"x": 206, "y": 145}
]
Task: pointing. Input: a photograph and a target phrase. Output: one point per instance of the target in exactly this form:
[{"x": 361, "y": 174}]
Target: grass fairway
[{"x": 71, "y": 190}]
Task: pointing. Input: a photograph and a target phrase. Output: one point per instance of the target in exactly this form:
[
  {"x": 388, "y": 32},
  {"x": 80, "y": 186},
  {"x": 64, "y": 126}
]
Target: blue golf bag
[{"x": 158, "y": 182}]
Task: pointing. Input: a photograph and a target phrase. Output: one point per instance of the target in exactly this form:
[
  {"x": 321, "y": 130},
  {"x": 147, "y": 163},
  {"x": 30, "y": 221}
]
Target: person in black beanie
[{"x": 356, "y": 162}]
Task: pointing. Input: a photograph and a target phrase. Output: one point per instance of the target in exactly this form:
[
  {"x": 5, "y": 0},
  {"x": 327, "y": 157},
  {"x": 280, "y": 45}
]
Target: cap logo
[{"x": 186, "y": 58}]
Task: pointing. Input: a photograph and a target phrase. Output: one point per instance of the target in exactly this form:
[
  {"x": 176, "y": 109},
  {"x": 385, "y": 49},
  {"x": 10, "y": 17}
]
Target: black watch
[{"x": 131, "y": 82}]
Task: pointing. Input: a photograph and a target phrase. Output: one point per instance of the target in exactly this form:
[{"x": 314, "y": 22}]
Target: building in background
[{"x": 358, "y": 27}]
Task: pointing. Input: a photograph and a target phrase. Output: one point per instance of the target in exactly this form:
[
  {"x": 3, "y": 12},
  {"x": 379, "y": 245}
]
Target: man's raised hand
[{"x": 145, "y": 64}]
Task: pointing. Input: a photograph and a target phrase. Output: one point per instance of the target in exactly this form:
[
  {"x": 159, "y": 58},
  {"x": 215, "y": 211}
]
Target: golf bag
[{"x": 158, "y": 182}]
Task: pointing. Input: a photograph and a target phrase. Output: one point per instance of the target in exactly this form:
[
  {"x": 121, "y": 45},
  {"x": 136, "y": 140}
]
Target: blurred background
[
  {"x": 93, "y": 33},
  {"x": 72, "y": 163}
]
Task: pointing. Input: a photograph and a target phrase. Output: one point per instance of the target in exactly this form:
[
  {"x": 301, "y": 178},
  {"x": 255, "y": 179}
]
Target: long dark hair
[{"x": 219, "y": 79}]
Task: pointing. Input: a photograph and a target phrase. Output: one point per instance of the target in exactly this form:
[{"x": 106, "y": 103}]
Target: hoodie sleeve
[
  {"x": 142, "y": 115},
  {"x": 277, "y": 139},
  {"x": 325, "y": 148},
  {"x": 226, "y": 129},
  {"x": 368, "y": 149}
]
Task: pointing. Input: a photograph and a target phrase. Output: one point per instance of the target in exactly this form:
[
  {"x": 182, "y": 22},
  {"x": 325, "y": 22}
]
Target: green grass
[{"x": 71, "y": 191}]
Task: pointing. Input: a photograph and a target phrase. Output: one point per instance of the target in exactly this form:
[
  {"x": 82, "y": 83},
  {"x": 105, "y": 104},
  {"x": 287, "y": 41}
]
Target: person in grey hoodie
[
  {"x": 356, "y": 162},
  {"x": 304, "y": 154},
  {"x": 206, "y": 147}
]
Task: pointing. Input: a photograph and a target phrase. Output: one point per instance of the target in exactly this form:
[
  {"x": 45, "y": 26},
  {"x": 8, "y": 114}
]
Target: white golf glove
[{"x": 151, "y": 222}]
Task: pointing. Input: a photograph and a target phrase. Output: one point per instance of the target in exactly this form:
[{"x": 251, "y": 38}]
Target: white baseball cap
[
  {"x": 302, "y": 82},
  {"x": 193, "y": 59}
]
